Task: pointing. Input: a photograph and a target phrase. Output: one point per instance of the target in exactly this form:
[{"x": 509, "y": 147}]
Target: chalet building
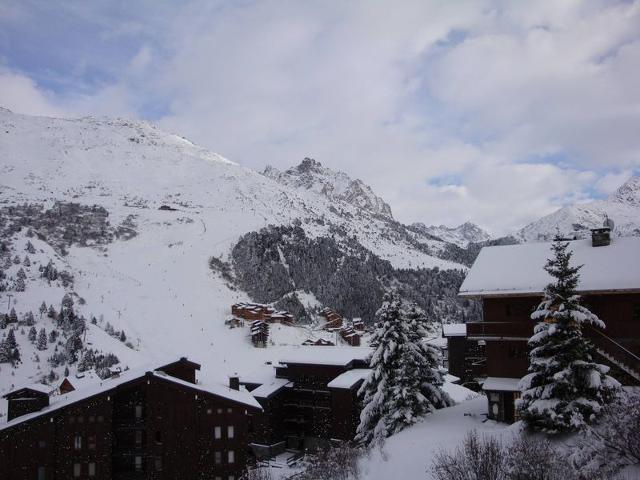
[
  {"x": 509, "y": 280},
  {"x": 153, "y": 424},
  {"x": 321, "y": 342},
  {"x": 334, "y": 319},
  {"x": 258, "y": 311},
  {"x": 259, "y": 333},
  {"x": 465, "y": 357},
  {"x": 307, "y": 398}
]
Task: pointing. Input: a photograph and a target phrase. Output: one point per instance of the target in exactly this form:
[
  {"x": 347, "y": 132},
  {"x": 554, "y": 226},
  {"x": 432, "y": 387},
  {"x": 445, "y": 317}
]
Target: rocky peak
[
  {"x": 628, "y": 193},
  {"x": 335, "y": 185}
]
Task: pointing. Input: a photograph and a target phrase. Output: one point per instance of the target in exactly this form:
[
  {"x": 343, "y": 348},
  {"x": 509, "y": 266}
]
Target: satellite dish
[{"x": 608, "y": 223}]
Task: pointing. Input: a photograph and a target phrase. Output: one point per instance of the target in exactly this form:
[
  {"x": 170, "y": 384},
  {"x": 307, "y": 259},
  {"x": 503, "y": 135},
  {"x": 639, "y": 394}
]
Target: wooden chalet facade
[
  {"x": 158, "y": 424},
  {"x": 309, "y": 398},
  {"x": 466, "y": 357},
  {"x": 509, "y": 280}
]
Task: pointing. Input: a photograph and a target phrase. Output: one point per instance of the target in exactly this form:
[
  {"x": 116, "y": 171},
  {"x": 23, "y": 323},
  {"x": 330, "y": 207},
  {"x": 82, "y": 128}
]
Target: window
[
  {"x": 218, "y": 478},
  {"x": 636, "y": 311},
  {"x": 138, "y": 437},
  {"x": 92, "y": 469},
  {"x": 217, "y": 458},
  {"x": 231, "y": 477},
  {"x": 231, "y": 457},
  {"x": 76, "y": 469},
  {"x": 77, "y": 442},
  {"x": 138, "y": 463},
  {"x": 158, "y": 464},
  {"x": 80, "y": 419},
  {"x": 229, "y": 410},
  {"x": 217, "y": 433},
  {"x": 230, "y": 431},
  {"x": 42, "y": 444},
  {"x": 219, "y": 411},
  {"x": 42, "y": 473},
  {"x": 138, "y": 411},
  {"x": 91, "y": 442},
  {"x": 159, "y": 437},
  {"x": 72, "y": 419},
  {"x": 92, "y": 418},
  {"x": 100, "y": 419},
  {"x": 209, "y": 411}
]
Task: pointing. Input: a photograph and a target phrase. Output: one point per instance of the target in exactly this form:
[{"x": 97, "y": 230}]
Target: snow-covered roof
[
  {"x": 269, "y": 388},
  {"x": 454, "y": 330},
  {"x": 57, "y": 402},
  {"x": 501, "y": 384},
  {"x": 335, "y": 356},
  {"x": 350, "y": 378},
  {"x": 518, "y": 269}
]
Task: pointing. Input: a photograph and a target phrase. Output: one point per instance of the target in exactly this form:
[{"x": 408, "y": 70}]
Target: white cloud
[
  {"x": 528, "y": 105},
  {"x": 20, "y": 94}
]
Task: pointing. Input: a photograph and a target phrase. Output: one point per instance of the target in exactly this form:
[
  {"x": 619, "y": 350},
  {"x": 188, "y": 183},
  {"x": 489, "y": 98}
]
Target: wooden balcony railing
[{"x": 497, "y": 330}]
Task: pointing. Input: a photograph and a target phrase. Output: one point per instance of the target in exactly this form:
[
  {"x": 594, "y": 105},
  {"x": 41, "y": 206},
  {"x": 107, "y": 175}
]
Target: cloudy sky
[{"x": 496, "y": 112}]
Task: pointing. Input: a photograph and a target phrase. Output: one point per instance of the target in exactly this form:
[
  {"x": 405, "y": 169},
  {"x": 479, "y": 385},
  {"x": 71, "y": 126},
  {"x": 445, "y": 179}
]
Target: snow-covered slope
[
  {"x": 622, "y": 206},
  {"x": 143, "y": 269},
  {"x": 462, "y": 235}
]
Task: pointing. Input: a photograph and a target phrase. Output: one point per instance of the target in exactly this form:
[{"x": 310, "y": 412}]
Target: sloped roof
[
  {"x": 350, "y": 378},
  {"x": 59, "y": 401},
  {"x": 518, "y": 269},
  {"x": 334, "y": 356},
  {"x": 454, "y": 330}
]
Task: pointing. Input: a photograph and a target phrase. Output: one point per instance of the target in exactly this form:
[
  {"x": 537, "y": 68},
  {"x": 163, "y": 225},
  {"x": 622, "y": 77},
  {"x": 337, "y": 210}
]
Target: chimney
[
  {"x": 600, "y": 237},
  {"x": 234, "y": 382}
]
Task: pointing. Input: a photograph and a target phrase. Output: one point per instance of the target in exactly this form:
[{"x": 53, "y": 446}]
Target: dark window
[
  {"x": 42, "y": 473},
  {"x": 158, "y": 463},
  {"x": 636, "y": 311},
  {"x": 92, "y": 469},
  {"x": 42, "y": 444},
  {"x": 91, "y": 442},
  {"x": 77, "y": 442},
  {"x": 159, "y": 437},
  {"x": 518, "y": 310},
  {"x": 100, "y": 419},
  {"x": 138, "y": 437}
]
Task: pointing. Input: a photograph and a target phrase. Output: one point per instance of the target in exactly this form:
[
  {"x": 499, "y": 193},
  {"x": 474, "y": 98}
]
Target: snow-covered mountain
[
  {"x": 462, "y": 235},
  {"x": 622, "y": 206},
  {"x": 131, "y": 216},
  {"x": 338, "y": 186}
]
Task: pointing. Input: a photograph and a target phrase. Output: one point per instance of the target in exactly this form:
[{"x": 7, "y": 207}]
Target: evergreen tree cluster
[
  {"x": 565, "y": 388},
  {"x": 277, "y": 260},
  {"x": 405, "y": 382}
]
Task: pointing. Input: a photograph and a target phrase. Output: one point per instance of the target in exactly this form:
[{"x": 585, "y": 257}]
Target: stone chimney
[
  {"x": 234, "y": 382},
  {"x": 600, "y": 237}
]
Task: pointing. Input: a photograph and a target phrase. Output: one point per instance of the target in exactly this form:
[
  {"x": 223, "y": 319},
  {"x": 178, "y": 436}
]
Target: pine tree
[
  {"x": 564, "y": 388},
  {"x": 42, "y": 340},
  {"x": 43, "y": 309},
  {"x": 21, "y": 274},
  {"x": 30, "y": 248},
  {"x": 52, "y": 312},
  {"x": 16, "y": 260},
  {"x": 32, "y": 334},
  {"x": 20, "y": 286},
  {"x": 26, "y": 262},
  {"x": 13, "y": 316},
  {"x": 29, "y": 319},
  {"x": 5, "y": 352},
  {"x": 3, "y": 321},
  {"x": 11, "y": 339},
  {"x": 393, "y": 395}
]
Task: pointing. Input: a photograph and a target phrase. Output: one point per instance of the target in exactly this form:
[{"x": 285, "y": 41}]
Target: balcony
[{"x": 500, "y": 330}]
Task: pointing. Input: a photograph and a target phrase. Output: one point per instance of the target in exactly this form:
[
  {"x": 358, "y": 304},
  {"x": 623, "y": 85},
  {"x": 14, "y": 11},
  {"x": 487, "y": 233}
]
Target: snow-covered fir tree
[
  {"x": 41, "y": 343},
  {"x": 565, "y": 388},
  {"x": 32, "y": 334},
  {"x": 397, "y": 392}
]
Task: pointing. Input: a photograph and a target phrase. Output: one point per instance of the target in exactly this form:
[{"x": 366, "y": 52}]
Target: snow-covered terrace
[{"x": 519, "y": 269}]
